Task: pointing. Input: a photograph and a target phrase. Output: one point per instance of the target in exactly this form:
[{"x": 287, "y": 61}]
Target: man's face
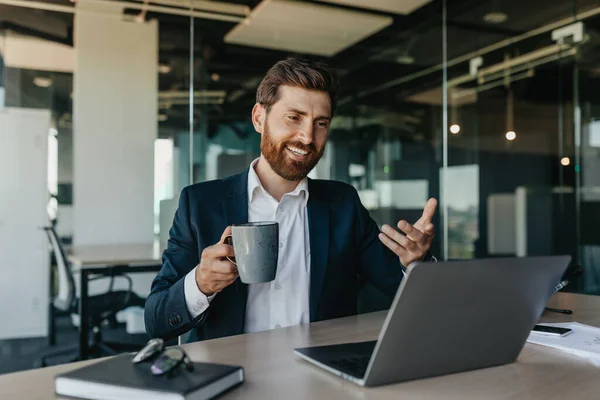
[{"x": 294, "y": 131}]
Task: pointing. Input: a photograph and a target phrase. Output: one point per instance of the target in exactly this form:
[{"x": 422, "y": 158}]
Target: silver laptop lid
[{"x": 462, "y": 315}]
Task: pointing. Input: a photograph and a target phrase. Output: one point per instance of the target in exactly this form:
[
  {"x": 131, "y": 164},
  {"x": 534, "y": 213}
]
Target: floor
[{"x": 21, "y": 354}]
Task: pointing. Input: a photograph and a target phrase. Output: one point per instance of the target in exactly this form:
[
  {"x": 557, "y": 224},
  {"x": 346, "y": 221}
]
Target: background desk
[
  {"x": 274, "y": 372},
  {"x": 109, "y": 260}
]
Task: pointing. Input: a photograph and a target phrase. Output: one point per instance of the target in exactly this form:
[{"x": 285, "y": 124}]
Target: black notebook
[{"x": 119, "y": 378}]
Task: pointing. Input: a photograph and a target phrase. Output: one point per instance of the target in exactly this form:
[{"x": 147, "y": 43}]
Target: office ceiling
[
  {"x": 305, "y": 28},
  {"x": 391, "y": 6},
  {"x": 395, "y": 43}
]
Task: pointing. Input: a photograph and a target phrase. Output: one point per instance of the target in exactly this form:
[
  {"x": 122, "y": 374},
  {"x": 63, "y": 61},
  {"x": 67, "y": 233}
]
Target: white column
[{"x": 114, "y": 114}]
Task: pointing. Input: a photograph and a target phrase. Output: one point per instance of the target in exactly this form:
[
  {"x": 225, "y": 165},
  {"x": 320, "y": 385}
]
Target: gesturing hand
[{"x": 417, "y": 239}]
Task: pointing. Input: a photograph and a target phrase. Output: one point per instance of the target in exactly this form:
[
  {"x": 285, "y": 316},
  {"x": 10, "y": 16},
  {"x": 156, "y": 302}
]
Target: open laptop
[{"x": 449, "y": 317}]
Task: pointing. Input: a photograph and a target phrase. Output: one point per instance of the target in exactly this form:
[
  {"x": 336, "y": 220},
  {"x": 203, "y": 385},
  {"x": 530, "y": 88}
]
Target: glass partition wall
[
  {"x": 487, "y": 106},
  {"x": 520, "y": 132}
]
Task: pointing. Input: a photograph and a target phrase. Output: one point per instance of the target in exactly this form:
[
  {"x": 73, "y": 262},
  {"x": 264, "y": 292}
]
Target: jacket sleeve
[
  {"x": 166, "y": 314},
  {"x": 378, "y": 264}
]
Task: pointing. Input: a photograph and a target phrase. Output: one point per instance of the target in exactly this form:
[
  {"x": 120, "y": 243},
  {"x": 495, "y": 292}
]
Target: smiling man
[{"x": 327, "y": 237}]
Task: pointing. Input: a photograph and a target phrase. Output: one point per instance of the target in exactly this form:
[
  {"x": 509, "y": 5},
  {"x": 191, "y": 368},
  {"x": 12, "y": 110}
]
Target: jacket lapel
[
  {"x": 318, "y": 227},
  {"x": 236, "y": 201},
  {"x": 236, "y": 212}
]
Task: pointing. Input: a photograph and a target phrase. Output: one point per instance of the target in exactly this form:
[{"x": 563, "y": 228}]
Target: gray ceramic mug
[{"x": 256, "y": 247}]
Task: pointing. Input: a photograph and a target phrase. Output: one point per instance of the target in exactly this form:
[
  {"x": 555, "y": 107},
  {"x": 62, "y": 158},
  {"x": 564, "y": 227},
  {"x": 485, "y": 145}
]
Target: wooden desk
[
  {"x": 109, "y": 260},
  {"x": 273, "y": 371}
]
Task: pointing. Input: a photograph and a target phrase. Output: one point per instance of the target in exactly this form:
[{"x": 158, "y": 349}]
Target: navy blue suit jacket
[{"x": 343, "y": 244}]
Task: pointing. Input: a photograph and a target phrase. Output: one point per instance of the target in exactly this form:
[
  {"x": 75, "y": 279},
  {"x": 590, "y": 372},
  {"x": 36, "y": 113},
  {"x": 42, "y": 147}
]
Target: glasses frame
[{"x": 155, "y": 351}]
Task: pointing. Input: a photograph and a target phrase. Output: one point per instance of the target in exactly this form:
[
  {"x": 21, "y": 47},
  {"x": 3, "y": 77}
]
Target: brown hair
[{"x": 297, "y": 72}]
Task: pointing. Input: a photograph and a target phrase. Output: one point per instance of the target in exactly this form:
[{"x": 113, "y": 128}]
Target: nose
[{"x": 306, "y": 134}]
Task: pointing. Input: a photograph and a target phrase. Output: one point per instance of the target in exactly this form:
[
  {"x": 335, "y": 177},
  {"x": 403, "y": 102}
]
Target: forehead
[{"x": 310, "y": 101}]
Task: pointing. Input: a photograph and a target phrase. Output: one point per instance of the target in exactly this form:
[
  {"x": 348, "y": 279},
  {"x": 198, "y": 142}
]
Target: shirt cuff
[
  {"x": 196, "y": 301},
  {"x": 429, "y": 258}
]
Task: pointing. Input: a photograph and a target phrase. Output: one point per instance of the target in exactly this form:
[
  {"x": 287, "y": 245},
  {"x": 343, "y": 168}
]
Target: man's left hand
[{"x": 414, "y": 245}]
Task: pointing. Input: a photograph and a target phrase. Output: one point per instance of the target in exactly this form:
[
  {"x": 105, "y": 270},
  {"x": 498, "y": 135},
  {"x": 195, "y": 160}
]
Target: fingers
[
  {"x": 218, "y": 270},
  {"x": 429, "y": 229},
  {"x": 223, "y": 267},
  {"x": 413, "y": 233},
  {"x": 408, "y": 249},
  {"x": 393, "y": 245},
  {"x": 222, "y": 279},
  {"x": 226, "y": 233},
  {"x": 218, "y": 251},
  {"x": 428, "y": 211},
  {"x": 399, "y": 238},
  {"x": 215, "y": 275},
  {"x": 215, "y": 272}
]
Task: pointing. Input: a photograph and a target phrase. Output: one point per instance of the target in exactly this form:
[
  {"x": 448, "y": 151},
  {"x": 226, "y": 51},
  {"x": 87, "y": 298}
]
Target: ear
[{"x": 259, "y": 113}]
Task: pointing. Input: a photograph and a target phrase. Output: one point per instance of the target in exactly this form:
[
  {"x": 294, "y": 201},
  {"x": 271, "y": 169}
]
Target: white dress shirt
[{"x": 284, "y": 301}]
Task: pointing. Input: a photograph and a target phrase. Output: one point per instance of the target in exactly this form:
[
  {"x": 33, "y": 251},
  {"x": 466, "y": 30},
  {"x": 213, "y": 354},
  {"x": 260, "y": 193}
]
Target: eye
[
  {"x": 322, "y": 124},
  {"x": 293, "y": 118}
]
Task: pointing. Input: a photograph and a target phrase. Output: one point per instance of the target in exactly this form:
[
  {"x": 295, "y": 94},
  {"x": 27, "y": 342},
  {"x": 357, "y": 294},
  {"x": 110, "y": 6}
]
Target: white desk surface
[{"x": 116, "y": 254}]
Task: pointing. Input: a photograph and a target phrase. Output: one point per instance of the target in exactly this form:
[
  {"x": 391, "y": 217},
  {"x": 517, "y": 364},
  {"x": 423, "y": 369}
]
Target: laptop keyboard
[{"x": 355, "y": 366}]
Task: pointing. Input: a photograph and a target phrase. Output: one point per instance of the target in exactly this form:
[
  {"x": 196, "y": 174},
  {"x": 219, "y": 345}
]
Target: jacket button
[{"x": 174, "y": 319}]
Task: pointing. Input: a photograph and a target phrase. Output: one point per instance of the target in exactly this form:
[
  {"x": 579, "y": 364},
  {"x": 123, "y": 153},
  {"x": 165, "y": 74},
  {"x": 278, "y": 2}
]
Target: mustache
[{"x": 304, "y": 147}]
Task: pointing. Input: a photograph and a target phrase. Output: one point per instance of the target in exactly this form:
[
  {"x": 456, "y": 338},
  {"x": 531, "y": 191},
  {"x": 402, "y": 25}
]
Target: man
[{"x": 327, "y": 237}]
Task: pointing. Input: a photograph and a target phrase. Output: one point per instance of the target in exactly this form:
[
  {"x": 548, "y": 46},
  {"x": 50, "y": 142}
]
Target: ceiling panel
[
  {"x": 305, "y": 28},
  {"x": 27, "y": 52},
  {"x": 391, "y": 6}
]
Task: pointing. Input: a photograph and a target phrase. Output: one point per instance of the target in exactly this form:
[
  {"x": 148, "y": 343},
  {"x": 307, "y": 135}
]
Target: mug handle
[{"x": 229, "y": 240}]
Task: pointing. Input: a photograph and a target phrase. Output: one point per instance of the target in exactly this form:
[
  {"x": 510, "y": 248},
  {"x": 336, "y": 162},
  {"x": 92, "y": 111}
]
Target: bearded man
[{"x": 326, "y": 237}]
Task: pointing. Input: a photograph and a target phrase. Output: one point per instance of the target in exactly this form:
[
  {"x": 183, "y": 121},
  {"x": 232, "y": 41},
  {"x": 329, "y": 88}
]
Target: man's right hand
[{"x": 215, "y": 272}]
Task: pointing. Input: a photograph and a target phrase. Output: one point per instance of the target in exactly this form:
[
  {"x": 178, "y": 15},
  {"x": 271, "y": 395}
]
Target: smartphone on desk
[{"x": 551, "y": 330}]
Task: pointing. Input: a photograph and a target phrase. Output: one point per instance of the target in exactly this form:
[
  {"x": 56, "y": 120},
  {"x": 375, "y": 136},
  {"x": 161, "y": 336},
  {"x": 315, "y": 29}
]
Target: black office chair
[{"x": 102, "y": 309}]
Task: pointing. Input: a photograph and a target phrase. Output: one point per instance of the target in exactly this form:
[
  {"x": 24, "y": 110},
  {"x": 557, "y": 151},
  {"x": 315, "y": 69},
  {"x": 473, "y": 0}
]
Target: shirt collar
[{"x": 255, "y": 184}]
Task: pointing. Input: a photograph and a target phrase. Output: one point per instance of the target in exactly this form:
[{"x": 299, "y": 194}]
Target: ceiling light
[
  {"x": 511, "y": 135},
  {"x": 405, "y": 59},
  {"x": 565, "y": 161},
  {"x": 215, "y": 77},
  {"x": 162, "y": 117},
  {"x": 495, "y": 17},
  {"x": 42, "y": 81},
  {"x": 454, "y": 129},
  {"x": 164, "y": 68}
]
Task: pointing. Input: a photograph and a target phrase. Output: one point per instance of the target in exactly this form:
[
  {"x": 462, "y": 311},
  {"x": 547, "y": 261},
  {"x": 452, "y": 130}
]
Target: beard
[{"x": 280, "y": 162}]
